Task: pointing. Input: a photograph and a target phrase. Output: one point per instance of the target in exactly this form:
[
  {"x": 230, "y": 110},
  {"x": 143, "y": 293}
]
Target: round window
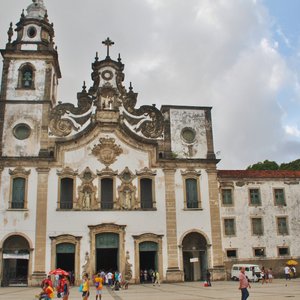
[
  {"x": 22, "y": 131},
  {"x": 188, "y": 135},
  {"x": 31, "y": 32}
]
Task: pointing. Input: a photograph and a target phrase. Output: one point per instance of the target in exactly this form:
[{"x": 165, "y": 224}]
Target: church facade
[{"x": 106, "y": 184}]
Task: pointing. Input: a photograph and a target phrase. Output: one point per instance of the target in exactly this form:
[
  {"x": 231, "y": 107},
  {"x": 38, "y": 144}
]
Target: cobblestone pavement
[{"x": 226, "y": 290}]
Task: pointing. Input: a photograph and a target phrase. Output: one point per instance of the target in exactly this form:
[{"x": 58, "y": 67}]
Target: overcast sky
[{"x": 242, "y": 57}]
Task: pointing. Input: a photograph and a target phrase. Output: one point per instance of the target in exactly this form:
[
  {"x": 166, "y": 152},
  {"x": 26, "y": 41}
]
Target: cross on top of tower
[{"x": 108, "y": 42}]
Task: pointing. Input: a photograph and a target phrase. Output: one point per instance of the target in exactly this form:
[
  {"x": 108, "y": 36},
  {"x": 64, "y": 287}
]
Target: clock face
[
  {"x": 31, "y": 32},
  {"x": 188, "y": 134}
]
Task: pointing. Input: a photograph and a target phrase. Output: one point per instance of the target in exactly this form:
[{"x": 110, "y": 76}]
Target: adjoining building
[{"x": 108, "y": 185}]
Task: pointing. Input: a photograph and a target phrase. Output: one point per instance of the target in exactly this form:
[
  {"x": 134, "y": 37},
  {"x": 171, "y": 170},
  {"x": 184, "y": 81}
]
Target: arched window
[
  {"x": 146, "y": 193},
  {"x": 26, "y": 76},
  {"x": 107, "y": 194},
  {"x": 18, "y": 193},
  {"x": 66, "y": 193}
]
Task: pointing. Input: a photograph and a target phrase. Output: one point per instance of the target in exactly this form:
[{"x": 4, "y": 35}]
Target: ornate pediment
[
  {"x": 146, "y": 172},
  {"x": 126, "y": 175},
  {"x": 87, "y": 175},
  {"x": 107, "y": 151},
  {"x": 19, "y": 171},
  {"x": 106, "y": 101}
]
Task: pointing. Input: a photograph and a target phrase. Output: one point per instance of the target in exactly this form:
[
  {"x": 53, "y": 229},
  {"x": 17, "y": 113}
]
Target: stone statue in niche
[
  {"x": 86, "y": 200},
  {"x": 127, "y": 199}
]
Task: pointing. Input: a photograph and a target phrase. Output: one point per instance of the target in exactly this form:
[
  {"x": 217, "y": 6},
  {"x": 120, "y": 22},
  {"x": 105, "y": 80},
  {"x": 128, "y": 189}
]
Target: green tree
[
  {"x": 292, "y": 166},
  {"x": 266, "y": 165}
]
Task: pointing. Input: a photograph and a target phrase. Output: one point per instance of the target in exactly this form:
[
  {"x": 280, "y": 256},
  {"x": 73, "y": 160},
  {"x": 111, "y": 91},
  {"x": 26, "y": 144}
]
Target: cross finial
[{"x": 108, "y": 43}]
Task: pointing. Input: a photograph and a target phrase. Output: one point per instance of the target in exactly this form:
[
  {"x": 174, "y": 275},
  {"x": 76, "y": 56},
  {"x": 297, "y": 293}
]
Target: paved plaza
[{"x": 226, "y": 290}]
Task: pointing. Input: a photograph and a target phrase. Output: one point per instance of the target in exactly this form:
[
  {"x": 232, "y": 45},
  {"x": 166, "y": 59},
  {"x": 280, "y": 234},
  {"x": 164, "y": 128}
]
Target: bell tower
[{"x": 29, "y": 84}]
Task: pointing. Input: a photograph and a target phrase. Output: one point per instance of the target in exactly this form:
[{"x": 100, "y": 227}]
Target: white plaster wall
[
  {"x": 244, "y": 241},
  {"x": 29, "y": 114},
  {"x": 18, "y": 221},
  {"x": 195, "y": 119},
  {"x": 137, "y": 222},
  {"x": 26, "y": 94}
]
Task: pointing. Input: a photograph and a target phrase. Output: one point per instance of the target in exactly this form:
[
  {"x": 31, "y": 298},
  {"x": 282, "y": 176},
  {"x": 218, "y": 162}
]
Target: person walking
[
  {"x": 244, "y": 284},
  {"x": 85, "y": 287},
  {"x": 208, "y": 276},
  {"x": 98, "y": 280}
]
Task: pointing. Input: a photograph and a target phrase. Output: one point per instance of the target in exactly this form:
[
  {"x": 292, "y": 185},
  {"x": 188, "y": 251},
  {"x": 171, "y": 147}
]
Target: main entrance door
[
  {"x": 107, "y": 252},
  {"x": 194, "y": 252},
  {"x": 148, "y": 259},
  {"x": 65, "y": 257},
  {"x": 15, "y": 261}
]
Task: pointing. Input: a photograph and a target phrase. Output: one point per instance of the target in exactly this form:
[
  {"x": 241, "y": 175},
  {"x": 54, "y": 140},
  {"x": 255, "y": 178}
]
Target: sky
[{"x": 241, "y": 57}]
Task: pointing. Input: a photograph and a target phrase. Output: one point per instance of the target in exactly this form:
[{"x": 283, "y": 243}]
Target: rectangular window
[
  {"x": 66, "y": 193},
  {"x": 227, "y": 197},
  {"x": 146, "y": 193},
  {"x": 282, "y": 226},
  {"x": 18, "y": 193},
  {"x": 191, "y": 193},
  {"x": 254, "y": 197},
  {"x": 279, "y": 197},
  {"x": 283, "y": 251},
  {"x": 107, "y": 195},
  {"x": 257, "y": 226},
  {"x": 259, "y": 252},
  {"x": 231, "y": 253},
  {"x": 229, "y": 227}
]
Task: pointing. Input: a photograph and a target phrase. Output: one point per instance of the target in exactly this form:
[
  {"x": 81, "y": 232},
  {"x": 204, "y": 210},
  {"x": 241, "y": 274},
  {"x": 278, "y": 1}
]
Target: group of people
[
  {"x": 61, "y": 287},
  {"x": 111, "y": 279},
  {"x": 289, "y": 272},
  {"x": 266, "y": 275},
  {"x": 150, "y": 276}
]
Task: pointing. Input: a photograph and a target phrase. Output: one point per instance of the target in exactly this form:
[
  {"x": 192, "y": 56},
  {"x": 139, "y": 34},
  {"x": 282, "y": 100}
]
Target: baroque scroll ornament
[{"x": 107, "y": 151}]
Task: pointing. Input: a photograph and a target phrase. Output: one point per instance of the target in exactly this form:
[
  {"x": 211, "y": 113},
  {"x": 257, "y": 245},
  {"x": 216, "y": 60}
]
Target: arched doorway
[
  {"x": 148, "y": 258},
  {"x": 65, "y": 256},
  {"x": 107, "y": 251},
  {"x": 16, "y": 252},
  {"x": 194, "y": 252}
]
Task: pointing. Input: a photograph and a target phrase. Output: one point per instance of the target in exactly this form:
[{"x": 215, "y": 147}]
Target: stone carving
[
  {"x": 107, "y": 151},
  {"x": 107, "y": 94},
  {"x": 65, "y": 117},
  {"x": 128, "y": 265},
  {"x": 86, "y": 265},
  {"x": 147, "y": 119},
  {"x": 127, "y": 199}
]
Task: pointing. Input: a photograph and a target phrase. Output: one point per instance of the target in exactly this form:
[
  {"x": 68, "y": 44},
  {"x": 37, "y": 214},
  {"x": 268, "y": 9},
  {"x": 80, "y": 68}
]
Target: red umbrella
[{"x": 58, "y": 272}]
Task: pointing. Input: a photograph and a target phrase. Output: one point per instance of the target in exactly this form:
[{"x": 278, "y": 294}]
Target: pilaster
[
  {"x": 173, "y": 272},
  {"x": 217, "y": 253},
  {"x": 41, "y": 226}
]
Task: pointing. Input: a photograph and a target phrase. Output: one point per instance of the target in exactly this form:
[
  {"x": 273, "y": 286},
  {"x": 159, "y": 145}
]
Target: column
[
  {"x": 173, "y": 272},
  {"x": 40, "y": 226},
  {"x": 217, "y": 253}
]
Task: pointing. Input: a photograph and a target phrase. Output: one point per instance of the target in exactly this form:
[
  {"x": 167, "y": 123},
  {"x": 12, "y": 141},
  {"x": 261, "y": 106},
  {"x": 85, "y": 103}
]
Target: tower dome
[{"x": 36, "y": 10}]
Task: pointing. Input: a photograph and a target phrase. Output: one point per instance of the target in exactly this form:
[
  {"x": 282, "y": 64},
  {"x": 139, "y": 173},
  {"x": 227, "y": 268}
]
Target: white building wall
[
  {"x": 242, "y": 212},
  {"x": 195, "y": 119},
  {"x": 30, "y": 114}
]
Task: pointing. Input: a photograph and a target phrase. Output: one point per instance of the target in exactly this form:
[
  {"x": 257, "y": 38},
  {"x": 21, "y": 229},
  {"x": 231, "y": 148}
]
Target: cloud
[{"x": 208, "y": 53}]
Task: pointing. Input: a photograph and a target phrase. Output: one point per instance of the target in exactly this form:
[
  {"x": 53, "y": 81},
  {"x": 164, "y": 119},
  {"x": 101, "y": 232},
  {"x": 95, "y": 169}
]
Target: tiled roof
[{"x": 258, "y": 174}]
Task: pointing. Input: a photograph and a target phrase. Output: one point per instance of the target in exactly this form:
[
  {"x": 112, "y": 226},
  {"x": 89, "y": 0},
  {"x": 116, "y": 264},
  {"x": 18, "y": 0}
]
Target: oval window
[
  {"x": 22, "y": 131},
  {"x": 31, "y": 32},
  {"x": 188, "y": 135}
]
